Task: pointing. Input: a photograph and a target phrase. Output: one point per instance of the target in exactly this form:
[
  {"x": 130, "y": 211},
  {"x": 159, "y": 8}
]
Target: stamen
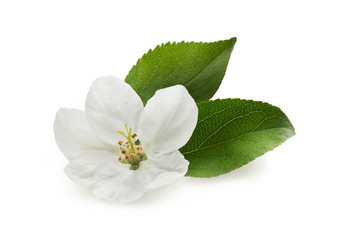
[{"x": 131, "y": 150}]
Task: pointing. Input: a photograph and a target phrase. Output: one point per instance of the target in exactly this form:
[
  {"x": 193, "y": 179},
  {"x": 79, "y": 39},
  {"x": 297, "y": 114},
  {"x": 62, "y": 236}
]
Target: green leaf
[
  {"x": 199, "y": 67},
  {"x": 232, "y": 132}
]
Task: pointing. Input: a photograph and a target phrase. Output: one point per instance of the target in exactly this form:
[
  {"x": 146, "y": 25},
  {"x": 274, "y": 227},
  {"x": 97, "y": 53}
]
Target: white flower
[{"x": 121, "y": 149}]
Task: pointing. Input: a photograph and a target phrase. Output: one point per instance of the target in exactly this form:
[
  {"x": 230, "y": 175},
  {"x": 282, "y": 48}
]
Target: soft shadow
[
  {"x": 80, "y": 191},
  {"x": 163, "y": 194},
  {"x": 151, "y": 198},
  {"x": 251, "y": 170}
]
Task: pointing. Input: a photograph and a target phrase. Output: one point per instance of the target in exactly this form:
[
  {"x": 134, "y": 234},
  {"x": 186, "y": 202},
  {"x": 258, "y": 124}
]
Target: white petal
[
  {"x": 73, "y": 134},
  {"x": 167, "y": 168},
  {"x": 115, "y": 182},
  {"x": 81, "y": 169},
  {"x": 168, "y": 120},
  {"x": 111, "y": 103}
]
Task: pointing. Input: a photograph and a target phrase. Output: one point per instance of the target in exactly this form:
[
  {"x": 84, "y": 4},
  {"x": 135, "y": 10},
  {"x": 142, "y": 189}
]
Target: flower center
[{"x": 131, "y": 150}]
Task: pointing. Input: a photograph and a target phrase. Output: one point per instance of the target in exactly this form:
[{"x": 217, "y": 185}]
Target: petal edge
[
  {"x": 110, "y": 104},
  {"x": 73, "y": 134},
  {"x": 168, "y": 120}
]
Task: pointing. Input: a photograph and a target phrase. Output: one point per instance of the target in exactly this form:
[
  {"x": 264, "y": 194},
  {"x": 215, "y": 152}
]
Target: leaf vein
[{"x": 231, "y": 139}]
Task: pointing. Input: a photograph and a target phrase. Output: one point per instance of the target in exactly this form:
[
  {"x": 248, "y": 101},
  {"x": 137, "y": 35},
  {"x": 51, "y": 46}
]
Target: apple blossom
[{"x": 121, "y": 149}]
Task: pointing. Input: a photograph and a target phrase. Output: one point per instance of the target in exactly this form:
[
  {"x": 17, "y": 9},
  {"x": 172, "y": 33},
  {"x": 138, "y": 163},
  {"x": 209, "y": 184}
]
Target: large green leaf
[
  {"x": 199, "y": 67},
  {"x": 233, "y": 132}
]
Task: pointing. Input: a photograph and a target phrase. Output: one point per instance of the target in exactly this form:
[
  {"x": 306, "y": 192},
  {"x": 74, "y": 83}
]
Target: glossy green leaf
[
  {"x": 200, "y": 67},
  {"x": 232, "y": 132}
]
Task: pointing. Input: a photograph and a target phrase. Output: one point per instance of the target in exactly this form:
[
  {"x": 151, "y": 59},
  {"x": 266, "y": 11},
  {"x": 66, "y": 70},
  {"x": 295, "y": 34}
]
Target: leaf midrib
[
  {"x": 188, "y": 81},
  {"x": 236, "y": 137},
  {"x": 192, "y": 79}
]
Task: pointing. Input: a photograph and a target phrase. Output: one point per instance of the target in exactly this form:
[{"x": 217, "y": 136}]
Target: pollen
[{"x": 131, "y": 151}]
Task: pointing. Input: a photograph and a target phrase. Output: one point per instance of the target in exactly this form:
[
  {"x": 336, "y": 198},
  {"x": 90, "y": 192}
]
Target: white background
[{"x": 289, "y": 53}]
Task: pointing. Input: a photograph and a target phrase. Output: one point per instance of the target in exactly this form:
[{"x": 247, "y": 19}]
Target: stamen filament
[
  {"x": 132, "y": 151},
  {"x": 128, "y": 137}
]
